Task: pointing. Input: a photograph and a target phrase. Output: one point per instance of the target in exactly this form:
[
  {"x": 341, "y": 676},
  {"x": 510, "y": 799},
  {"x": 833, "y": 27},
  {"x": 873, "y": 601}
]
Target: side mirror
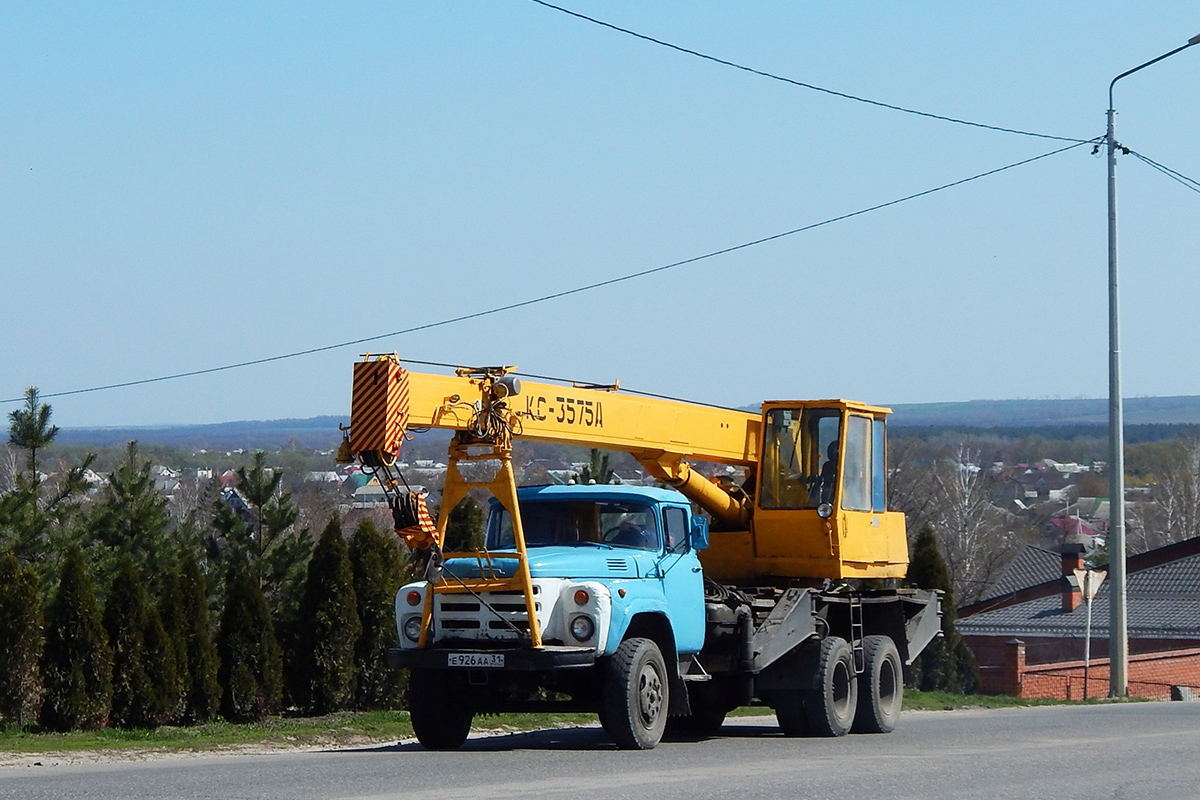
[{"x": 698, "y": 532}]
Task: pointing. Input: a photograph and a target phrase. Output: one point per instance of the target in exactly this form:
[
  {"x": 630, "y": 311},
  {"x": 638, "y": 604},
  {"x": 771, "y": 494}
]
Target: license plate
[{"x": 474, "y": 659}]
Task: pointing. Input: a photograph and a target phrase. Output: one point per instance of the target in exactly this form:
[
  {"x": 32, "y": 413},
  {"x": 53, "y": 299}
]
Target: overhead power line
[
  {"x": 566, "y": 292},
  {"x": 1178, "y": 177},
  {"x": 801, "y": 84}
]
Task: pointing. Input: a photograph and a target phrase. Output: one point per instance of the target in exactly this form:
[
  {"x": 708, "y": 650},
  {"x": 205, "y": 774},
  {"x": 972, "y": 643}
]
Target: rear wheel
[
  {"x": 636, "y": 695},
  {"x": 831, "y": 704},
  {"x": 439, "y": 708},
  {"x": 881, "y": 687}
]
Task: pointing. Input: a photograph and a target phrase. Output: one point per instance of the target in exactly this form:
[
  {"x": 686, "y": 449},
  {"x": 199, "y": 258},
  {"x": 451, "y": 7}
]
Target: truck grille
[{"x": 465, "y": 617}]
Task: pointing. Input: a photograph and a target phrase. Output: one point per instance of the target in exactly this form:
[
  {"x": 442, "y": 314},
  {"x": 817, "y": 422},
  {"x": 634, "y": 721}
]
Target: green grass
[
  {"x": 946, "y": 701},
  {"x": 331, "y": 730},
  {"x": 345, "y": 729}
]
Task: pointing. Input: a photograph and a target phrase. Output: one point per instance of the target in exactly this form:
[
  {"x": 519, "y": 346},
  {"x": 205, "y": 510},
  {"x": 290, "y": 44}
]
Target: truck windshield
[{"x": 619, "y": 524}]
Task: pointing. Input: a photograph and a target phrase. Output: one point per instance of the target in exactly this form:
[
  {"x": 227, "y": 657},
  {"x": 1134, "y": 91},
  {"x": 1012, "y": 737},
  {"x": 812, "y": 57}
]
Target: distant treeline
[
  {"x": 1082, "y": 412},
  {"x": 1134, "y": 434}
]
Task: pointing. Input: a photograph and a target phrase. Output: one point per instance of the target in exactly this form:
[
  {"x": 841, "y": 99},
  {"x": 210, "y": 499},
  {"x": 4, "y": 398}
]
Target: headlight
[
  {"x": 412, "y": 628},
  {"x": 825, "y": 510},
  {"x": 582, "y": 627}
]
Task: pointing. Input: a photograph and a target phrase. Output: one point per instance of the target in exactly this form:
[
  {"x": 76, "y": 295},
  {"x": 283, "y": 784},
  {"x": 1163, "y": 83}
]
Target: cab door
[
  {"x": 682, "y": 581},
  {"x": 871, "y": 536}
]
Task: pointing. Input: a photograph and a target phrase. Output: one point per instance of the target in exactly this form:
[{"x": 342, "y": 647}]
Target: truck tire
[
  {"x": 881, "y": 687},
  {"x": 703, "y": 721},
  {"x": 636, "y": 695},
  {"x": 790, "y": 713},
  {"x": 439, "y": 709},
  {"x": 831, "y": 703},
  {"x": 709, "y": 706}
]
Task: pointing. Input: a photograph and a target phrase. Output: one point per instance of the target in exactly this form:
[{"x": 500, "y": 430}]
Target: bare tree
[
  {"x": 975, "y": 535},
  {"x": 1174, "y": 513},
  {"x": 1181, "y": 494},
  {"x": 910, "y": 482},
  {"x": 194, "y": 495},
  {"x": 9, "y": 468}
]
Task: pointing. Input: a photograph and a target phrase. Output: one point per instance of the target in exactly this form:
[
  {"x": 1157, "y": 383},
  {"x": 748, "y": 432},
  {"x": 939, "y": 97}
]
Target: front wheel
[
  {"x": 789, "y": 711},
  {"x": 439, "y": 709},
  {"x": 636, "y": 695}
]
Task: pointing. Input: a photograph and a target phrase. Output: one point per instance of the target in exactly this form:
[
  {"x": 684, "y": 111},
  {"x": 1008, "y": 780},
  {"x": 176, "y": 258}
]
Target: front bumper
[{"x": 515, "y": 659}]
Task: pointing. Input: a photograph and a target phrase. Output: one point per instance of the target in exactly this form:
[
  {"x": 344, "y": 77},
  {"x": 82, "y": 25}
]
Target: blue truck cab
[
  {"x": 619, "y": 596},
  {"x": 602, "y": 558}
]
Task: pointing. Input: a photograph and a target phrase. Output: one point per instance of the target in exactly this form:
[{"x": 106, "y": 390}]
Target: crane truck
[{"x": 652, "y": 606}]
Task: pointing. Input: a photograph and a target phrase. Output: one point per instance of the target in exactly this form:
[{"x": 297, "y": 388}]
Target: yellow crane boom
[{"x": 788, "y": 522}]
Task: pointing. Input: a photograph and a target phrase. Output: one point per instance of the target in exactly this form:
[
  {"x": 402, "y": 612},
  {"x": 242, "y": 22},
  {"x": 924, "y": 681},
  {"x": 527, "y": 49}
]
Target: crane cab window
[
  {"x": 800, "y": 457},
  {"x": 879, "y": 465},
  {"x": 864, "y": 485},
  {"x": 856, "y": 482}
]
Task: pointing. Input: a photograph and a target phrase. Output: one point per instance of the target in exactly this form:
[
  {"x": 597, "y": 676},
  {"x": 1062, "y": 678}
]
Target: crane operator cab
[{"x": 821, "y": 493}]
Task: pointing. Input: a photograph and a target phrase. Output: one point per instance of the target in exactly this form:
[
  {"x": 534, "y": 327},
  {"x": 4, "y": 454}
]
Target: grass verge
[
  {"x": 946, "y": 701},
  {"x": 282, "y": 732}
]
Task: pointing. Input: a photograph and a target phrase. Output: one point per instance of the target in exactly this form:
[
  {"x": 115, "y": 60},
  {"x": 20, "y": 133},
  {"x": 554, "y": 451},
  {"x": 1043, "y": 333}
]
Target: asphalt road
[{"x": 1140, "y": 750}]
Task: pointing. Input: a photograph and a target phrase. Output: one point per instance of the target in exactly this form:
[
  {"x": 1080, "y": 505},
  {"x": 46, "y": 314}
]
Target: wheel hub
[{"x": 649, "y": 693}]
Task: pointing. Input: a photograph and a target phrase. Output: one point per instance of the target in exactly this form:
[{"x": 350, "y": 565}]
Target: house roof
[
  {"x": 1162, "y": 595},
  {"x": 1031, "y": 566},
  {"x": 357, "y": 481}
]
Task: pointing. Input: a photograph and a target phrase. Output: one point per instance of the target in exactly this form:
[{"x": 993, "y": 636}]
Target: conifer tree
[
  {"x": 597, "y": 469},
  {"x": 464, "y": 529},
  {"x": 131, "y": 516},
  {"x": 267, "y": 535},
  {"x": 329, "y": 619},
  {"x": 170, "y": 612},
  {"x": 186, "y": 619},
  {"x": 124, "y": 619},
  {"x": 251, "y": 668},
  {"x": 29, "y": 428},
  {"x": 378, "y": 566},
  {"x": 165, "y": 684},
  {"x": 33, "y": 511},
  {"x": 76, "y": 663},
  {"x": 946, "y": 663},
  {"x": 144, "y": 683},
  {"x": 20, "y": 643}
]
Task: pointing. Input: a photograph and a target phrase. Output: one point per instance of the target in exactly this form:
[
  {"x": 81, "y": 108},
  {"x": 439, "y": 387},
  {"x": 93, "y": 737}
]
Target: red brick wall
[{"x": 1004, "y": 670}]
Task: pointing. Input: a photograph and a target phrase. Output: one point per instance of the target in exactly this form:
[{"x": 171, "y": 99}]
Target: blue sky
[{"x": 184, "y": 186}]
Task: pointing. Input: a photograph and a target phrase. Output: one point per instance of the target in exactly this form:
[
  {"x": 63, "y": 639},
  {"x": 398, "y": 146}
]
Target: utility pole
[{"x": 1118, "y": 629}]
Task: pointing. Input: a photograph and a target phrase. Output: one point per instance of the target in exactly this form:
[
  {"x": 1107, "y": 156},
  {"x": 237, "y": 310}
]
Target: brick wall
[{"x": 1004, "y": 670}]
